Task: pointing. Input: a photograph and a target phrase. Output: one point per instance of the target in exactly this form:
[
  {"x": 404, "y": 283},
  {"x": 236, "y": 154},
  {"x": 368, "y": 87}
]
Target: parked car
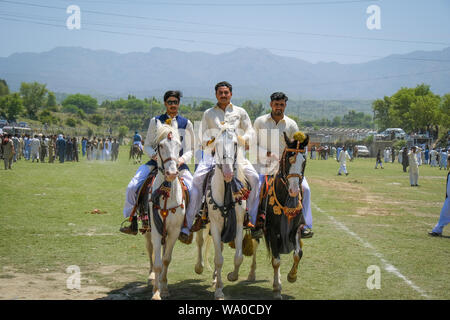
[
  {"x": 3, "y": 123},
  {"x": 398, "y": 133},
  {"x": 23, "y": 124},
  {"x": 362, "y": 151}
]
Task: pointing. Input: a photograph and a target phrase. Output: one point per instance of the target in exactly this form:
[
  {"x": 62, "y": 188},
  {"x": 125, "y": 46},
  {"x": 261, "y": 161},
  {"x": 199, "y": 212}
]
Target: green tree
[
  {"x": 425, "y": 112},
  {"x": 96, "y": 119},
  {"x": 51, "y": 101},
  {"x": 83, "y": 101},
  {"x": 205, "y": 105},
  {"x": 11, "y": 106},
  {"x": 337, "y": 121},
  {"x": 445, "y": 111},
  {"x": 253, "y": 109},
  {"x": 123, "y": 131},
  {"x": 135, "y": 105},
  {"x": 34, "y": 97},
  {"x": 46, "y": 117},
  {"x": 4, "y": 89},
  {"x": 71, "y": 122}
]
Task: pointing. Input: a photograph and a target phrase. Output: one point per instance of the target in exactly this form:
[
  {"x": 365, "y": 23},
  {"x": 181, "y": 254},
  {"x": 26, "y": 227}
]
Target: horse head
[
  {"x": 168, "y": 148},
  {"x": 292, "y": 163},
  {"x": 226, "y": 146}
]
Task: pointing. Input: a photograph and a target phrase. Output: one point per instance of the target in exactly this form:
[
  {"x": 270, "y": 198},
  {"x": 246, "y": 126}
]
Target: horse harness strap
[{"x": 164, "y": 211}]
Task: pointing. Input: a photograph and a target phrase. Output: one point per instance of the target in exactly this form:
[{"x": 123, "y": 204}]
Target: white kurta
[
  {"x": 213, "y": 119},
  {"x": 35, "y": 146},
  {"x": 270, "y": 138},
  {"x": 413, "y": 167},
  {"x": 144, "y": 170},
  {"x": 343, "y": 156}
]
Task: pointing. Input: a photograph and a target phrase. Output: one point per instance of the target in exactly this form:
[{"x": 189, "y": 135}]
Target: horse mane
[{"x": 163, "y": 130}]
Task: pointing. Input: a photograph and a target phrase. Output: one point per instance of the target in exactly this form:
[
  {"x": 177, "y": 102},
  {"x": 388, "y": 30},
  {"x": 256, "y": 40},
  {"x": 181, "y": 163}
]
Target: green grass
[{"x": 46, "y": 225}]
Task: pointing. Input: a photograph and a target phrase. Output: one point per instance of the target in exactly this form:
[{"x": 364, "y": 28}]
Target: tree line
[{"x": 415, "y": 110}]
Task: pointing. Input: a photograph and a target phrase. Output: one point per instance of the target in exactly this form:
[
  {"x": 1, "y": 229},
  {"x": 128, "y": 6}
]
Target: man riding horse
[
  {"x": 271, "y": 144},
  {"x": 223, "y": 114},
  {"x": 137, "y": 140},
  {"x": 186, "y": 132}
]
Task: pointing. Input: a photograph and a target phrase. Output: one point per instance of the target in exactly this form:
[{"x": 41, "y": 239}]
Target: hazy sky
[{"x": 312, "y": 30}]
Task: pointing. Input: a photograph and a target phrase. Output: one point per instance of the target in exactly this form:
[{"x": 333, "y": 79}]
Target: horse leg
[
  {"x": 238, "y": 257},
  {"x": 252, "y": 274},
  {"x": 276, "y": 262},
  {"x": 167, "y": 258},
  {"x": 199, "y": 240},
  {"x": 156, "y": 241},
  {"x": 298, "y": 253},
  {"x": 218, "y": 262},
  {"x": 151, "y": 256}
]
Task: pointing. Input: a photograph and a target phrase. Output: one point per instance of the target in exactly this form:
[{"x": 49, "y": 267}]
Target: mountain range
[{"x": 254, "y": 73}]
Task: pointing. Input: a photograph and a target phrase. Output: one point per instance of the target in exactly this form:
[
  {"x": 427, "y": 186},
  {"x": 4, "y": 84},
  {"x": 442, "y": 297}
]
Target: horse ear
[
  {"x": 286, "y": 139},
  {"x": 305, "y": 142}
]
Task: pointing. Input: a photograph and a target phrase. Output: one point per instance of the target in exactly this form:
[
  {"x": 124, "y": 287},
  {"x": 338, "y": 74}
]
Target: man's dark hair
[
  {"x": 278, "y": 96},
  {"x": 224, "y": 84},
  {"x": 173, "y": 93}
]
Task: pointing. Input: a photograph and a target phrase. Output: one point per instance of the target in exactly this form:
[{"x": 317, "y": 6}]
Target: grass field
[{"x": 371, "y": 217}]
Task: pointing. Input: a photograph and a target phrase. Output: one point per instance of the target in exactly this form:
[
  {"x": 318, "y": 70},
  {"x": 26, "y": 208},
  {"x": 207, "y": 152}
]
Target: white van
[{"x": 398, "y": 132}]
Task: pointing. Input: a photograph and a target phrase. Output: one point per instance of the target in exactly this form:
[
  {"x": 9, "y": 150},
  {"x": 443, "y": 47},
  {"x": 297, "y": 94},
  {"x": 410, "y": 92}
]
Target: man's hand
[
  {"x": 180, "y": 161},
  {"x": 155, "y": 157},
  {"x": 210, "y": 141},
  {"x": 241, "y": 141}
]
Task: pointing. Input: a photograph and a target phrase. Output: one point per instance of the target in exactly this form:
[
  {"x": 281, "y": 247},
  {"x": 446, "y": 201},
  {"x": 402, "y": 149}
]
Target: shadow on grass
[{"x": 192, "y": 289}]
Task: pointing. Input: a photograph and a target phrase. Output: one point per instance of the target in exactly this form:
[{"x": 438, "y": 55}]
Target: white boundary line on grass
[{"x": 387, "y": 266}]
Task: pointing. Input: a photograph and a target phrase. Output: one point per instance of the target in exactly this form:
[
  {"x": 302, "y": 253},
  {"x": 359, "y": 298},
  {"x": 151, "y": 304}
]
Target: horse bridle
[
  {"x": 219, "y": 165},
  {"x": 283, "y": 175},
  {"x": 163, "y": 161}
]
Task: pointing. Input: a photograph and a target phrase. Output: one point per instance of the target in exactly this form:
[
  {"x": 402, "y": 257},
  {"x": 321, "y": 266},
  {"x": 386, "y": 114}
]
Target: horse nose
[
  {"x": 293, "y": 192},
  {"x": 171, "y": 174}
]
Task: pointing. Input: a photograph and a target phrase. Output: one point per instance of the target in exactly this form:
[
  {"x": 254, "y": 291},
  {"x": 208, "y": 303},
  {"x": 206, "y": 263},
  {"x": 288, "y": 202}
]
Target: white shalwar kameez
[
  {"x": 270, "y": 138},
  {"x": 149, "y": 148},
  {"x": 213, "y": 119},
  {"x": 343, "y": 155}
]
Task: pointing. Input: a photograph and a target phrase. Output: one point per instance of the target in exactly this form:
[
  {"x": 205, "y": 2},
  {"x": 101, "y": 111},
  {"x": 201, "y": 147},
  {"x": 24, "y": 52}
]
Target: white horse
[
  {"x": 167, "y": 208},
  {"x": 222, "y": 201}
]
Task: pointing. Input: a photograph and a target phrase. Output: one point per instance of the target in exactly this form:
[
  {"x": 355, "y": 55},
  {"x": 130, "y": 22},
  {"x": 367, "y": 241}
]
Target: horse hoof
[
  {"x": 232, "y": 277},
  {"x": 277, "y": 296},
  {"x": 291, "y": 279},
  {"x": 165, "y": 294},
  {"x": 198, "y": 269},
  {"x": 219, "y": 297},
  {"x": 156, "y": 296},
  {"x": 251, "y": 278}
]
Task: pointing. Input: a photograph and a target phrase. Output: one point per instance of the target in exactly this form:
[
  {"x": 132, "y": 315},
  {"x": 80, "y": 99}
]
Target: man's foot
[
  {"x": 307, "y": 233},
  {"x": 346, "y": 174},
  {"x": 129, "y": 230},
  {"x": 435, "y": 234},
  {"x": 339, "y": 174},
  {"x": 198, "y": 224},
  {"x": 186, "y": 238},
  {"x": 132, "y": 228}
]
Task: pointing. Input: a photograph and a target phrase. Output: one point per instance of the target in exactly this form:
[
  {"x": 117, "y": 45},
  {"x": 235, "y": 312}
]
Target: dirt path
[{"x": 54, "y": 286}]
